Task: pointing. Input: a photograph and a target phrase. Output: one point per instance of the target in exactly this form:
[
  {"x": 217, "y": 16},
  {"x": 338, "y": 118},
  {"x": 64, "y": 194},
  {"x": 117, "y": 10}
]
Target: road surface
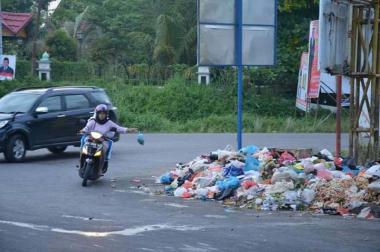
[{"x": 44, "y": 208}]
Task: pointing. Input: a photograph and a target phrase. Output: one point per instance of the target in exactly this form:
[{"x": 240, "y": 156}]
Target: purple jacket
[{"x": 92, "y": 125}]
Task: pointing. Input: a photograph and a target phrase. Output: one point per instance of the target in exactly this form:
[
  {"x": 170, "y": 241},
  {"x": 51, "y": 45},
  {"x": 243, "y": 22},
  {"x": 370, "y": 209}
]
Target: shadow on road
[{"x": 48, "y": 157}]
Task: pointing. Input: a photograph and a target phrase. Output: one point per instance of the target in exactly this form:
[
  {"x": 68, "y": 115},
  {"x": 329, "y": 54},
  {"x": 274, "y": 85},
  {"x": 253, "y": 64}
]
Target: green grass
[{"x": 182, "y": 107}]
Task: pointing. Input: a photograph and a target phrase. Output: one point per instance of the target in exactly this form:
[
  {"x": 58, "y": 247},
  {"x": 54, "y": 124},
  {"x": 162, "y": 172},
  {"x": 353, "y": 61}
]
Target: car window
[
  {"x": 52, "y": 103},
  {"x": 76, "y": 102},
  {"x": 101, "y": 97},
  {"x": 18, "y": 102}
]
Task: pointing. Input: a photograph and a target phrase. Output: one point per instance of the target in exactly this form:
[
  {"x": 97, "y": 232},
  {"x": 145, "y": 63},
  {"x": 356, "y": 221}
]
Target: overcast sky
[{"x": 54, "y": 5}]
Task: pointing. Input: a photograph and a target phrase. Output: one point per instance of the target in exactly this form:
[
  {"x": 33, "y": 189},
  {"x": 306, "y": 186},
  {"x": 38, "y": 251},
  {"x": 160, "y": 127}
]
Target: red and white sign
[
  {"x": 303, "y": 79},
  {"x": 7, "y": 67},
  {"x": 314, "y": 73}
]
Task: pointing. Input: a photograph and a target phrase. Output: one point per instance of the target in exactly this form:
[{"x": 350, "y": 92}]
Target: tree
[
  {"x": 17, "y": 5},
  {"x": 39, "y": 7},
  {"x": 61, "y": 46}
]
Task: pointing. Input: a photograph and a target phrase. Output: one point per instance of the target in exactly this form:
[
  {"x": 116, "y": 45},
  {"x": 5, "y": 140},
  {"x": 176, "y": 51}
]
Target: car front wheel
[{"x": 15, "y": 149}]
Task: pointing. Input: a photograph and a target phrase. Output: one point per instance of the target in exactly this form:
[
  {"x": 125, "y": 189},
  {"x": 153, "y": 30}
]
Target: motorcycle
[{"x": 93, "y": 163}]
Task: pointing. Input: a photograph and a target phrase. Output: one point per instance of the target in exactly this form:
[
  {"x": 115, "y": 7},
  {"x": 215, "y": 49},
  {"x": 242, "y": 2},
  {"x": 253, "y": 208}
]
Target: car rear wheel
[
  {"x": 58, "y": 149},
  {"x": 15, "y": 149}
]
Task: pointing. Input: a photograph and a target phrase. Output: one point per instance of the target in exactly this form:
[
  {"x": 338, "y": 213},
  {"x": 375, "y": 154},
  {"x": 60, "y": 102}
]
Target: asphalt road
[{"x": 44, "y": 208}]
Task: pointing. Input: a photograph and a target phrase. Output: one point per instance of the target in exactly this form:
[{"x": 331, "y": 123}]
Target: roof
[{"x": 15, "y": 22}]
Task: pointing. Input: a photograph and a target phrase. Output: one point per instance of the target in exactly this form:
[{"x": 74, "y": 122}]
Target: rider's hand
[{"x": 132, "y": 130}]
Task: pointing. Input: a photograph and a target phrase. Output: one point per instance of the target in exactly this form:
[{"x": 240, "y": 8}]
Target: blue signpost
[
  {"x": 239, "y": 64},
  {"x": 237, "y": 33}
]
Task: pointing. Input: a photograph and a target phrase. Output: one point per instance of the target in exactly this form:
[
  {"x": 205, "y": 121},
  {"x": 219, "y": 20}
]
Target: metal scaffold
[{"x": 364, "y": 71}]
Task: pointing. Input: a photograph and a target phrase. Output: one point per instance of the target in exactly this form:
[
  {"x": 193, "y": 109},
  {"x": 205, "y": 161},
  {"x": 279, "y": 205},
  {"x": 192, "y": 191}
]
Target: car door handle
[{"x": 61, "y": 116}]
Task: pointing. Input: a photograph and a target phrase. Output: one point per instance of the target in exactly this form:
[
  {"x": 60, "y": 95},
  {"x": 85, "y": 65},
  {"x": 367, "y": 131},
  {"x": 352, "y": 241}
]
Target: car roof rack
[
  {"x": 74, "y": 87},
  {"x": 55, "y": 88},
  {"x": 30, "y": 88}
]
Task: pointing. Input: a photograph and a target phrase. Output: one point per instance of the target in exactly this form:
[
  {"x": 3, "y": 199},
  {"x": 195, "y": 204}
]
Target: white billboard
[{"x": 216, "y": 32}]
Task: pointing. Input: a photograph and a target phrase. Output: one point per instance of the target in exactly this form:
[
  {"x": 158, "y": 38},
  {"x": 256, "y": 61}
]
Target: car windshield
[{"x": 18, "y": 102}]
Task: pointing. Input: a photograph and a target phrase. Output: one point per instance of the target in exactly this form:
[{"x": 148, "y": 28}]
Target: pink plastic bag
[
  {"x": 287, "y": 158},
  {"x": 325, "y": 174}
]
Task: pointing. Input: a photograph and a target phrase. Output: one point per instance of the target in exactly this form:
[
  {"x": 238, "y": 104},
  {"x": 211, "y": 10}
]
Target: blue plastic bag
[
  {"x": 232, "y": 171},
  {"x": 166, "y": 179},
  {"x": 347, "y": 170},
  {"x": 251, "y": 164},
  {"x": 140, "y": 138},
  {"x": 249, "y": 150},
  {"x": 230, "y": 183}
]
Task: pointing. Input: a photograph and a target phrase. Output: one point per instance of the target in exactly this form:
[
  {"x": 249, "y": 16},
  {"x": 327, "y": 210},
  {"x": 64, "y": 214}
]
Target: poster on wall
[
  {"x": 7, "y": 67},
  {"x": 303, "y": 79},
  {"x": 314, "y": 73}
]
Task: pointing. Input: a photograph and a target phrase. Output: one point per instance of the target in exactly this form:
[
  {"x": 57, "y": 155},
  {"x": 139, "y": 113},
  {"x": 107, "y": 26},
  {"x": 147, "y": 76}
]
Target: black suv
[{"x": 36, "y": 118}]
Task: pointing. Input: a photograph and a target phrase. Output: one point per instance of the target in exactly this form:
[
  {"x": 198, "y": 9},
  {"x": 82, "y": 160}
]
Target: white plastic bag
[
  {"x": 374, "y": 171},
  {"x": 179, "y": 192},
  {"x": 308, "y": 195}
]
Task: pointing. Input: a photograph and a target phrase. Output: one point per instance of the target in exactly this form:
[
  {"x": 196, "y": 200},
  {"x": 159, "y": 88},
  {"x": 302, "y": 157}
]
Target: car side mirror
[{"x": 42, "y": 110}]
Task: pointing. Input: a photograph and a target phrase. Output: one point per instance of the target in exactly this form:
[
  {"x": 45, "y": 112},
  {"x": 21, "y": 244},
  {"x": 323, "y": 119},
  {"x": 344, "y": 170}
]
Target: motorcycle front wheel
[{"x": 87, "y": 172}]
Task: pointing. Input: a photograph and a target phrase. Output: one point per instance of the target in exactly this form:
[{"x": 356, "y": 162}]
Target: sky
[{"x": 54, "y": 5}]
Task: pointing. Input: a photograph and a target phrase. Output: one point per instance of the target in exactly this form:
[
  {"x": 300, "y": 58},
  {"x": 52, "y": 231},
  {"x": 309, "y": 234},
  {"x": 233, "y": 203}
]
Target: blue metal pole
[{"x": 239, "y": 64}]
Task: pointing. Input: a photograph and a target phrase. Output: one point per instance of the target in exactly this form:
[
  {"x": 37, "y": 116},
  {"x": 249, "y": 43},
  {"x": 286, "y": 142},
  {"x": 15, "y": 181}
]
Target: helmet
[{"x": 101, "y": 109}]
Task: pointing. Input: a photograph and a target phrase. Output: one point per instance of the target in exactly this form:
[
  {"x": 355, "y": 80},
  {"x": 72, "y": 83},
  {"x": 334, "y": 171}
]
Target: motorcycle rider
[{"x": 102, "y": 124}]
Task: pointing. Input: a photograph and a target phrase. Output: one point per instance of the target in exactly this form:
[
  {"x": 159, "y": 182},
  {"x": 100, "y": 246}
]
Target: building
[{"x": 15, "y": 24}]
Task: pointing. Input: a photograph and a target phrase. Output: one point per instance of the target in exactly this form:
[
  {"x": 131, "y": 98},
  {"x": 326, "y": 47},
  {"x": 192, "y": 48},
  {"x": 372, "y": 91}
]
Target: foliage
[
  {"x": 198, "y": 108},
  {"x": 16, "y": 5},
  {"x": 61, "y": 46}
]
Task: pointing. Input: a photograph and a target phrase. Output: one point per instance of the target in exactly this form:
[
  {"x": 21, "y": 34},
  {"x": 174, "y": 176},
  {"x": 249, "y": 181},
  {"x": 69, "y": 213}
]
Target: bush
[{"x": 181, "y": 107}]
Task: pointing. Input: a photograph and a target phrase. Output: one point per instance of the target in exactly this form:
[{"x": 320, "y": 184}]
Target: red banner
[{"x": 314, "y": 73}]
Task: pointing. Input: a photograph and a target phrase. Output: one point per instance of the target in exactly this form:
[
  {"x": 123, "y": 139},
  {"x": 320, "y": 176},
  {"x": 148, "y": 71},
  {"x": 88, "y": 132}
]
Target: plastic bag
[
  {"x": 287, "y": 158},
  {"x": 251, "y": 164},
  {"x": 284, "y": 173},
  {"x": 325, "y": 174},
  {"x": 280, "y": 187},
  {"x": 248, "y": 184},
  {"x": 235, "y": 168},
  {"x": 290, "y": 197},
  {"x": 249, "y": 150},
  {"x": 187, "y": 184},
  {"x": 375, "y": 186},
  {"x": 307, "y": 195},
  {"x": 374, "y": 171},
  {"x": 179, "y": 192},
  {"x": 166, "y": 179},
  {"x": 231, "y": 182},
  {"x": 327, "y": 153},
  {"x": 202, "y": 182},
  {"x": 366, "y": 213},
  {"x": 140, "y": 138},
  {"x": 349, "y": 171},
  {"x": 202, "y": 193}
]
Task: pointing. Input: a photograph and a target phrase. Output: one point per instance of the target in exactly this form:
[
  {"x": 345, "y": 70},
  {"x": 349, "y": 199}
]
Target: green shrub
[{"x": 181, "y": 107}]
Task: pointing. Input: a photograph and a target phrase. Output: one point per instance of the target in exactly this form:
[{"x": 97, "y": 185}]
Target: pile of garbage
[{"x": 270, "y": 179}]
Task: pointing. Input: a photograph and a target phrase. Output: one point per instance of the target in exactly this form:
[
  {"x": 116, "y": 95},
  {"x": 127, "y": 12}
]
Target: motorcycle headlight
[
  {"x": 3, "y": 123},
  {"x": 98, "y": 153},
  {"x": 96, "y": 135}
]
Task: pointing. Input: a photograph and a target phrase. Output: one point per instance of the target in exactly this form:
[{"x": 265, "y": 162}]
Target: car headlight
[{"x": 3, "y": 123}]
